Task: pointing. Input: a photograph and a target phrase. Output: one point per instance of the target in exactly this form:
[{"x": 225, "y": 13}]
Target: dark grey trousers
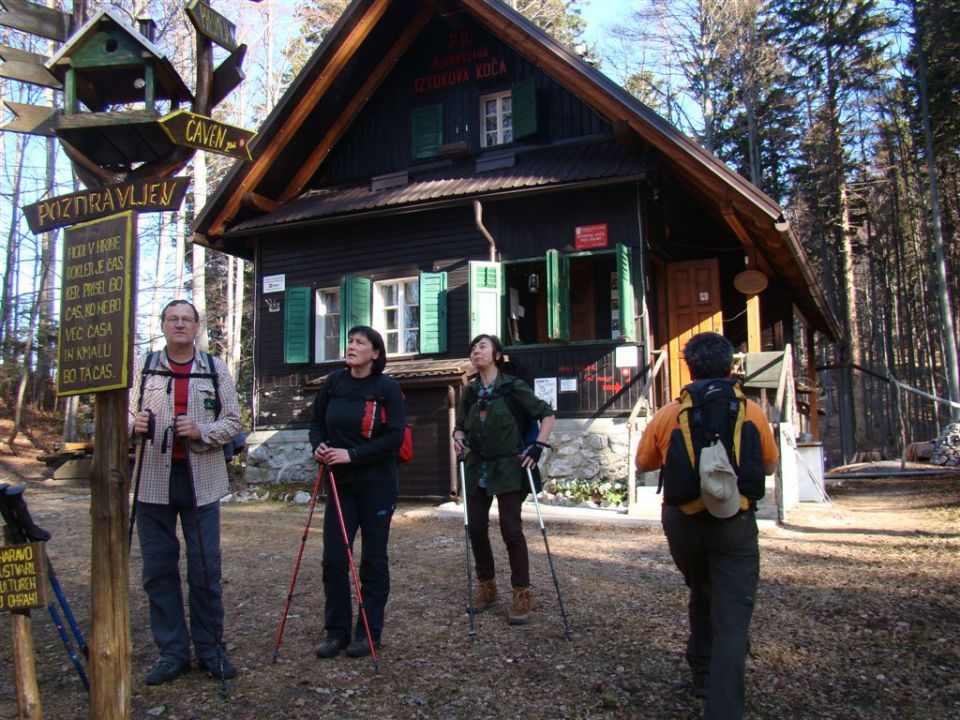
[{"x": 720, "y": 562}]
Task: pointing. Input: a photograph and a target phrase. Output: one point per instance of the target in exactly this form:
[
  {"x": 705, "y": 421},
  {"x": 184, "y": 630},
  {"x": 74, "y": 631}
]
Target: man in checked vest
[
  {"x": 714, "y": 448},
  {"x": 183, "y": 410}
]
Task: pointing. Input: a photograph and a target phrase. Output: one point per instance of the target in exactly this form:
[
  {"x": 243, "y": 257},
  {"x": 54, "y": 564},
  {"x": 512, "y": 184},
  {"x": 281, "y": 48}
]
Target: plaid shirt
[{"x": 206, "y": 456}]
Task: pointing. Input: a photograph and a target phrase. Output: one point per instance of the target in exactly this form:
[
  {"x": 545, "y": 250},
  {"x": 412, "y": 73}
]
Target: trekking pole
[
  {"x": 67, "y": 613},
  {"x": 353, "y": 568},
  {"x": 567, "y": 632},
  {"x": 466, "y": 546},
  {"x": 74, "y": 658},
  {"x": 296, "y": 565},
  {"x": 151, "y": 426},
  {"x": 217, "y": 630}
]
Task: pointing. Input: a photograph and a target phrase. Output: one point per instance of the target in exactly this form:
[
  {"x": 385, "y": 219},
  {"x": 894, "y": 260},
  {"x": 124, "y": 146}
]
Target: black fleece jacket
[{"x": 338, "y": 421}]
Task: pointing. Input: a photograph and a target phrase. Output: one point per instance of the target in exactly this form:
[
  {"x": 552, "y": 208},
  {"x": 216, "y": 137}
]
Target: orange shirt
[{"x": 652, "y": 451}]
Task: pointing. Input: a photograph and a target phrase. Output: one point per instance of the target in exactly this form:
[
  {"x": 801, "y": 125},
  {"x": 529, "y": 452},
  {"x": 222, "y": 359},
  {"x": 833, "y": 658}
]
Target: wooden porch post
[
  {"x": 815, "y": 392},
  {"x": 109, "y": 493},
  {"x": 753, "y": 324}
]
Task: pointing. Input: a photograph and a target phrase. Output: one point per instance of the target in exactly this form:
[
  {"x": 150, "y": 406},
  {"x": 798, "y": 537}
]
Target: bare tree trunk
[
  {"x": 180, "y": 262},
  {"x": 199, "y": 253},
  {"x": 155, "y": 300},
  {"x": 237, "y": 308},
  {"x": 943, "y": 296},
  {"x": 27, "y": 352},
  {"x": 13, "y": 245}
]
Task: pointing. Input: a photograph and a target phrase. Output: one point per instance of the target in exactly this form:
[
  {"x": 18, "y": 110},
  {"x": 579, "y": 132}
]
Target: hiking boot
[
  {"x": 166, "y": 671},
  {"x": 330, "y": 648},
  {"x": 486, "y": 594},
  {"x": 218, "y": 668},
  {"x": 520, "y": 606},
  {"x": 17, "y": 509},
  {"x": 359, "y": 647}
]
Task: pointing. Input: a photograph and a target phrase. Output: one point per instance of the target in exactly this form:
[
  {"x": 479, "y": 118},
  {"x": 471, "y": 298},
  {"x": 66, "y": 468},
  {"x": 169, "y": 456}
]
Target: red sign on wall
[{"x": 590, "y": 236}]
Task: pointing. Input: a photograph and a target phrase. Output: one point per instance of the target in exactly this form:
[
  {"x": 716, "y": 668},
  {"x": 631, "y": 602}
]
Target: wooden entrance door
[{"x": 693, "y": 306}]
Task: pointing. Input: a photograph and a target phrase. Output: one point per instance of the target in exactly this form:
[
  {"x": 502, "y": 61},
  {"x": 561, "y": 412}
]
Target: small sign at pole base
[{"x": 23, "y": 577}]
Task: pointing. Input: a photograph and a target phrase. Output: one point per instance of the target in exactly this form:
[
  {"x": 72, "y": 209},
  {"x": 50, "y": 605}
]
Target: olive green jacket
[{"x": 496, "y": 442}]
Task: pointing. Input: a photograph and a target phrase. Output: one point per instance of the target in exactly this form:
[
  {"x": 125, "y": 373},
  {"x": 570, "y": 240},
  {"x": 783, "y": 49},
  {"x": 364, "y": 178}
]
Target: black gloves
[{"x": 534, "y": 450}]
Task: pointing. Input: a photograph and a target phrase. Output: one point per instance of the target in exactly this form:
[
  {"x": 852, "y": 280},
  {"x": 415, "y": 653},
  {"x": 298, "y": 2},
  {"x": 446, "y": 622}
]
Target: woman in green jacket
[{"x": 488, "y": 434}]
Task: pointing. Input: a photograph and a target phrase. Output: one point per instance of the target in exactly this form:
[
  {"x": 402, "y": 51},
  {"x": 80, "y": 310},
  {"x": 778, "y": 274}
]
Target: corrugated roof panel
[{"x": 539, "y": 167}]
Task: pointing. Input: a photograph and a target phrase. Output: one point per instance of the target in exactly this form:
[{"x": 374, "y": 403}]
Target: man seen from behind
[{"x": 714, "y": 448}]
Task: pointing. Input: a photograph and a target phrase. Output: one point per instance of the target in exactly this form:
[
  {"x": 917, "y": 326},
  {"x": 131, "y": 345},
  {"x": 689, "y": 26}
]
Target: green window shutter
[
  {"x": 485, "y": 298},
  {"x": 626, "y": 293},
  {"x": 354, "y": 306},
  {"x": 426, "y": 131},
  {"x": 296, "y": 325},
  {"x": 433, "y": 312},
  {"x": 558, "y": 296},
  {"x": 524, "y": 98}
]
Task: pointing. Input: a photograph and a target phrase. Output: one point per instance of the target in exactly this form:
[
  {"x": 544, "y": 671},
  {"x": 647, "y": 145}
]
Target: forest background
[{"x": 846, "y": 112}]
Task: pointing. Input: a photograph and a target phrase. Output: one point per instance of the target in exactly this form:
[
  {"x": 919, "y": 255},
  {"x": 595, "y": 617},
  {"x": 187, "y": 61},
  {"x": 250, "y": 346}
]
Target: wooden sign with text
[
  {"x": 152, "y": 194},
  {"x": 23, "y": 577},
  {"x": 97, "y": 305},
  {"x": 197, "y": 131},
  {"x": 212, "y": 24}
]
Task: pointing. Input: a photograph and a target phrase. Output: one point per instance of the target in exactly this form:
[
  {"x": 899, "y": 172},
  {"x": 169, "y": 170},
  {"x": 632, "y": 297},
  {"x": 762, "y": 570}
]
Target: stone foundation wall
[
  {"x": 582, "y": 449},
  {"x": 587, "y": 450}
]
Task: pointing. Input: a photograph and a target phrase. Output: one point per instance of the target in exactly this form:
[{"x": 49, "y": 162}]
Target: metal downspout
[{"x": 478, "y": 220}]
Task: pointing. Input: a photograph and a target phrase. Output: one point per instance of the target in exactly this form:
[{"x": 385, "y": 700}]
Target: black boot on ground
[{"x": 18, "y": 508}]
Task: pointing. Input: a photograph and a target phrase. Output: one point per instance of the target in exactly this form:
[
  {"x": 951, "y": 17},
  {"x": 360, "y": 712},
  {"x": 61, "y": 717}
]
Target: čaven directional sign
[
  {"x": 191, "y": 130},
  {"x": 149, "y": 195},
  {"x": 212, "y": 24}
]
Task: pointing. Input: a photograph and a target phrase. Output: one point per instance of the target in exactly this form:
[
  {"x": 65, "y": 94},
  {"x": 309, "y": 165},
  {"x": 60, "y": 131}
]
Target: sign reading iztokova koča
[
  {"x": 152, "y": 194},
  {"x": 97, "y": 305},
  {"x": 197, "y": 131}
]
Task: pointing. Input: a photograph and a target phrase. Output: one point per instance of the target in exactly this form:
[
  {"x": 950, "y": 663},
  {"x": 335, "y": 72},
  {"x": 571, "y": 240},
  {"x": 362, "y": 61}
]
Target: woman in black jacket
[{"x": 356, "y": 430}]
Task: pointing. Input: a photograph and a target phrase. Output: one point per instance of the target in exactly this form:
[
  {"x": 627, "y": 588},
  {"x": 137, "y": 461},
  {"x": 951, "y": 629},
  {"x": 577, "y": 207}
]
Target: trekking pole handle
[{"x": 151, "y": 426}]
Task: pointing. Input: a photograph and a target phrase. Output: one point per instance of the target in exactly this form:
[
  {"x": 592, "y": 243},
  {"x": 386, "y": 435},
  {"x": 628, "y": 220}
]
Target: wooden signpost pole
[
  {"x": 98, "y": 306},
  {"x": 24, "y": 667},
  {"x": 109, "y": 488}
]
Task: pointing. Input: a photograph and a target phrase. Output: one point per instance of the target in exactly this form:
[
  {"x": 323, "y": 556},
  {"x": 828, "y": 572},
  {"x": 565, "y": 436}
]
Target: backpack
[
  {"x": 405, "y": 453},
  {"x": 239, "y": 441},
  {"x": 711, "y": 412},
  {"x": 528, "y": 425}
]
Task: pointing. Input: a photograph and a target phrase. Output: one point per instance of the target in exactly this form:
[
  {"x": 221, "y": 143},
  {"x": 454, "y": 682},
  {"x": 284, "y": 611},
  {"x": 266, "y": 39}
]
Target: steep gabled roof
[{"x": 390, "y": 26}]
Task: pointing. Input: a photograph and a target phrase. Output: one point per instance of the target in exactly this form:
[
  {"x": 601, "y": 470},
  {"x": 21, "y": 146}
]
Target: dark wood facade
[{"x": 379, "y": 166}]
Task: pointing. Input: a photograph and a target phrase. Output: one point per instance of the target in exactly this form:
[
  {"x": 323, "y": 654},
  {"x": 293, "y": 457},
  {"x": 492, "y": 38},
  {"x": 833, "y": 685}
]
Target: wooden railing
[{"x": 644, "y": 401}]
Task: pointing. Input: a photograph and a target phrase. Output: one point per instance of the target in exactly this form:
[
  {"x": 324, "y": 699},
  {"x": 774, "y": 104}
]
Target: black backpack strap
[
  {"x": 506, "y": 390},
  {"x": 215, "y": 379},
  {"x": 149, "y": 368}
]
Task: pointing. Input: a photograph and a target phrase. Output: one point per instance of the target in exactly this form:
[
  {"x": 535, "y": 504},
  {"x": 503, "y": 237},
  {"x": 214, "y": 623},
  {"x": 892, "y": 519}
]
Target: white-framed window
[
  {"x": 496, "y": 119},
  {"x": 328, "y": 325},
  {"x": 396, "y": 312}
]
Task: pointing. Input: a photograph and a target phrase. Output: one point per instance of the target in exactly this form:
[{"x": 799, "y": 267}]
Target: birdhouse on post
[{"x": 113, "y": 78}]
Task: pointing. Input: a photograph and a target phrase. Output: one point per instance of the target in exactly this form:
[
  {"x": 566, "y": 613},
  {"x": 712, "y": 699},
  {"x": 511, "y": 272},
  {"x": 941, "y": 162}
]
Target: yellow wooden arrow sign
[{"x": 197, "y": 131}]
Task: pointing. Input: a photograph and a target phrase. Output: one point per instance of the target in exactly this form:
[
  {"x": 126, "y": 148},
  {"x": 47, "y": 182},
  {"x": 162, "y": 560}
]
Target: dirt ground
[{"x": 857, "y": 617}]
